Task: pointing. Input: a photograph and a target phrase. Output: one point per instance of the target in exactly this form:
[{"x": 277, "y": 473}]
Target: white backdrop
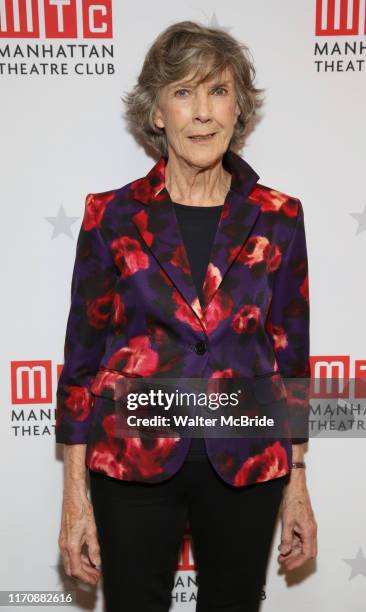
[{"x": 62, "y": 136}]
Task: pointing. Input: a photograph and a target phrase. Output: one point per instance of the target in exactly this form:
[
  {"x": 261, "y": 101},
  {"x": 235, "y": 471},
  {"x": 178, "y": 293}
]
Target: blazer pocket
[{"x": 114, "y": 384}]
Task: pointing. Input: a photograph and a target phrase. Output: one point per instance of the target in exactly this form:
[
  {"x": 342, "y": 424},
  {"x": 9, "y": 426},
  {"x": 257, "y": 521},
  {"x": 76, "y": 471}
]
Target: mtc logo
[
  {"x": 339, "y": 17},
  {"x": 331, "y": 377},
  {"x": 55, "y": 18},
  {"x": 31, "y": 382}
]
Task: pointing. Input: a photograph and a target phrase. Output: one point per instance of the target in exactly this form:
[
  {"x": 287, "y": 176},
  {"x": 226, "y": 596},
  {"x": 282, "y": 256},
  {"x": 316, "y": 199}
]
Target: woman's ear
[
  {"x": 158, "y": 118},
  {"x": 237, "y": 111}
]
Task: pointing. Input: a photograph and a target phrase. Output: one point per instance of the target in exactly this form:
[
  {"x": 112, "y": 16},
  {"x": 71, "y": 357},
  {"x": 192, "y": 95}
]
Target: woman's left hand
[{"x": 299, "y": 527}]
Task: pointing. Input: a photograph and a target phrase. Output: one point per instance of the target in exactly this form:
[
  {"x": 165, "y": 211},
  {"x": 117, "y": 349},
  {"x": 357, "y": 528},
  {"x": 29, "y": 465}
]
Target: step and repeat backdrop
[{"x": 64, "y": 65}]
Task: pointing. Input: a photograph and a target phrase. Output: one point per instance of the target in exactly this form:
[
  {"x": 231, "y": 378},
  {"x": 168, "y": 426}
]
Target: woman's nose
[{"x": 202, "y": 107}]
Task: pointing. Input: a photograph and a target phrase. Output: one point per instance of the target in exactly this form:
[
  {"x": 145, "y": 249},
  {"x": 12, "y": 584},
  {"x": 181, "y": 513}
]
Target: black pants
[{"x": 140, "y": 528}]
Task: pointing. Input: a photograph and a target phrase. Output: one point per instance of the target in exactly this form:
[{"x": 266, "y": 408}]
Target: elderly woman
[{"x": 195, "y": 270}]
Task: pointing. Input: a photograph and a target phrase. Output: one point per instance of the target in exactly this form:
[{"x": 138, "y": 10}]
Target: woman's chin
[{"x": 204, "y": 155}]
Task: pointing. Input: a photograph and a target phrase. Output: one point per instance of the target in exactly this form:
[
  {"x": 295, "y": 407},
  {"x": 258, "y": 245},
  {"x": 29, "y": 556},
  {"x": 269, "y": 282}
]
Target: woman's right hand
[{"x": 78, "y": 528}]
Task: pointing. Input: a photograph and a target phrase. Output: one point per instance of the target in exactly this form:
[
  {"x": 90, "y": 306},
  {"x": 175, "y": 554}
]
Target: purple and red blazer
[{"x": 135, "y": 313}]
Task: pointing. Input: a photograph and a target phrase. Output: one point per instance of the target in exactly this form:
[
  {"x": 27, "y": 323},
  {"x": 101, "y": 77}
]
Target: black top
[{"x": 198, "y": 225}]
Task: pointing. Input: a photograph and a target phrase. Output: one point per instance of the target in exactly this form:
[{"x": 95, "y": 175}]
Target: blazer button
[{"x": 200, "y": 347}]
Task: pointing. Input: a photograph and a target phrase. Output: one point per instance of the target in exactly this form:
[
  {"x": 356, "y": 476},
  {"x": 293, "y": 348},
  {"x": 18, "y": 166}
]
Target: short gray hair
[{"x": 181, "y": 48}]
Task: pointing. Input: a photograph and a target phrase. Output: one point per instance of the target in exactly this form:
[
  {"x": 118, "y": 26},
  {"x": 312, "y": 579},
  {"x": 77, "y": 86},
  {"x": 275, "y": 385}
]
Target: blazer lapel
[{"x": 157, "y": 224}]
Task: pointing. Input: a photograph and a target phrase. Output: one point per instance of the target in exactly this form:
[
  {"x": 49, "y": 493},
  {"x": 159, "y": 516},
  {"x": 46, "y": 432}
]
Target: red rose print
[
  {"x": 258, "y": 250},
  {"x": 212, "y": 281},
  {"x": 140, "y": 190},
  {"x": 137, "y": 359},
  {"x": 247, "y": 319},
  {"x": 271, "y": 463},
  {"x": 98, "y": 310},
  {"x": 184, "y": 313},
  {"x": 274, "y": 201},
  {"x": 150, "y": 185},
  {"x": 129, "y": 256},
  {"x": 119, "y": 316},
  {"x": 129, "y": 459},
  {"x": 148, "y": 461},
  {"x": 273, "y": 257},
  {"x": 156, "y": 177},
  {"x": 290, "y": 207},
  {"x": 95, "y": 206},
  {"x": 109, "y": 425},
  {"x": 78, "y": 402},
  {"x": 278, "y": 336},
  {"x": 106, "y": 380},
  {"x": 106, "y": 457},
  {"x": 218, "y": 309},
  {"x": 227, "y": 373},
  {"x": 141, "y": 222},
  {"x": 253, "y": 251}
]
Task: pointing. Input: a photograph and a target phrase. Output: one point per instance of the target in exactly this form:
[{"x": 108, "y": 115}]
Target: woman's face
[{"x": 186, "y": 110}]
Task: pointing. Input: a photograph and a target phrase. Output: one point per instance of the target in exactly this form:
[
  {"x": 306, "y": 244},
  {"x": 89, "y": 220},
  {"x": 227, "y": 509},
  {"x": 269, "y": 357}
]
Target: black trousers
[{"x": 140, "y": 529}]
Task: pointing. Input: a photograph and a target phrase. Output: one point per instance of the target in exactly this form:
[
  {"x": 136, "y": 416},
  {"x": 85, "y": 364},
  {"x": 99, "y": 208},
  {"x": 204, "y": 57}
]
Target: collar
[{"x": 152, "y": 187}]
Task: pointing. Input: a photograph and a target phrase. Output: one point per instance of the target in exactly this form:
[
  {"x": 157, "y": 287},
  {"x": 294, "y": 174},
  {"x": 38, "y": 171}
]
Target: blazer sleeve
[
  {"x": 92, "y": 291},
  {"x": 288, "y": 324}
]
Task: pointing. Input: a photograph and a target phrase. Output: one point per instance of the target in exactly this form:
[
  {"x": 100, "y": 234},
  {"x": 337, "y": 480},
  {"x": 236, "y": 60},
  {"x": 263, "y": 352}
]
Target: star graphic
[
  {"x": 361, "y": 218},
  {"x": 213, "y": 23},
  {"x": 61, "y": 223},
  {"x": 358, "y": 564}
]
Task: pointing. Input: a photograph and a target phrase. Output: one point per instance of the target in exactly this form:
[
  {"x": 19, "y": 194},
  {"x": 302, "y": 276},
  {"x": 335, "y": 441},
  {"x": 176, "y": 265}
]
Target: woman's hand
[
  {"x": 77, "y": 521},
  {"x": 78, "y": 527},
  {"x": 299, "y": 528}
]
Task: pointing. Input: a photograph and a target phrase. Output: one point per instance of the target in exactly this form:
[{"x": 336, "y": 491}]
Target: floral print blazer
[{"x": 135, "y": 313}]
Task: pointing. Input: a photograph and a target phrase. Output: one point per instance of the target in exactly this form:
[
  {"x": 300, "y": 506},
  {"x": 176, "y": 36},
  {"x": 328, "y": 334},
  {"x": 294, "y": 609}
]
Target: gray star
[
  {"x": 61, "y": 223},
  {"x": 358, "y": 564},
  {"x": 361, "y": 218},
  {"x": 213, "y": 23}
]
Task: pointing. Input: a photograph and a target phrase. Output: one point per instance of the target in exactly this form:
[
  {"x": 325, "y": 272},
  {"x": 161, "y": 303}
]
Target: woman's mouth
[{"x": 202, "y": 137}]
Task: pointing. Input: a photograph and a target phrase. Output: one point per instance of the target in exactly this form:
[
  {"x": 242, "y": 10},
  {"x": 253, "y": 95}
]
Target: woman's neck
[{"x": 188, "y": 184}]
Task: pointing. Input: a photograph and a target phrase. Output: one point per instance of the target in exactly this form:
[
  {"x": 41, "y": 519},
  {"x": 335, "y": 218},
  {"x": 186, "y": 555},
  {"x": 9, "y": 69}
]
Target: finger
[
  {"x": 294, "y": 563},
  {"x": 294, "y": 552},
  {"x": 93, "y": 550},
  {"x": 86, "y": 574},
  {"x": 86, "y": 561},
  {"x": 89, "y": 575},
  {"x": 77, "y": 567},
  {"x": 66, "y": 562},
  {"x": 309, "y": 542},
  {"x": 286, "y": 538},
  {"x": 85, "y": 577},
  {"x": 74, "y": 551},
  {"x": 90, "y": 569},
  {"x": 295, "y": 541},
  {"x": 296, "y": 548},
  {"x": 296, "y": 560}
]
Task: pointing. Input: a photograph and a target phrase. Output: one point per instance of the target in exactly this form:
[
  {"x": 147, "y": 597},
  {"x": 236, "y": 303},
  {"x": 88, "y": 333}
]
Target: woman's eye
[
  {"x": 221, "y": 90},
  {"x": 179, "y": 91}
]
